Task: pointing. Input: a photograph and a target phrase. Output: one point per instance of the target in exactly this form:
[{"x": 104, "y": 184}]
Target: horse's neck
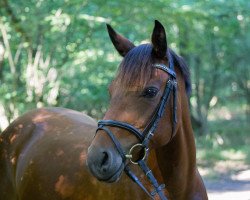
[{"x": 177, "y": 163}]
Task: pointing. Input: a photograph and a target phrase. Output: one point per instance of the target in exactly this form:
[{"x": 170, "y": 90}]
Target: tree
[{"x": 57, "y": 53}]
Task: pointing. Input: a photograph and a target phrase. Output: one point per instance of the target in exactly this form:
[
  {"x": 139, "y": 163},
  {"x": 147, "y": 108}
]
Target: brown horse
[
  {"x": 142, "y": 115},
  {"x": 43, "y": 156}
]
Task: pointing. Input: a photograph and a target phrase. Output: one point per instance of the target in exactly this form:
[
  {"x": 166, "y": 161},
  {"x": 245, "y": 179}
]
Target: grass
[{"x": 226, "y": 149}]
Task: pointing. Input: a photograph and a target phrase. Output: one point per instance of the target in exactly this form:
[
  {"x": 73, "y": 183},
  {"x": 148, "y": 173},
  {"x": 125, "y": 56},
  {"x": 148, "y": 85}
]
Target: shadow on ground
[{"x": 233, "y": 187}]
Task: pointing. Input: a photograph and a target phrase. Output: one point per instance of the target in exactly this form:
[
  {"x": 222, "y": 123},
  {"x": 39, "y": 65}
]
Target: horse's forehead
[
  {"x": 121, "y": 87},
  {"x": 118, "y": 90}
]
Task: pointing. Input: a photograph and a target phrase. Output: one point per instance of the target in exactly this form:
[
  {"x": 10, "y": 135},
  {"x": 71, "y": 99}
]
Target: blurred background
[{"x": 57, "y": 53}]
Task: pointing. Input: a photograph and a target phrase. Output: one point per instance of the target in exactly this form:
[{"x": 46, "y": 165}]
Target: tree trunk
[
  {"x": 2, "y": 51},
  {"x": 248, "y": 107},
  {"x": 203, "y": 129}
]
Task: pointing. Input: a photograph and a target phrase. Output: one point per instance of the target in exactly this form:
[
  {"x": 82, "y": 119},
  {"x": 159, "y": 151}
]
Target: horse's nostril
[{"x": 105, "y": 161}]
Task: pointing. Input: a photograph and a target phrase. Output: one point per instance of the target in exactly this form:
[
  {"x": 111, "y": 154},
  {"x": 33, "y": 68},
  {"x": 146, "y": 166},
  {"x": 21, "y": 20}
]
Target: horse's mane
[{"x": 136, "y": 67}]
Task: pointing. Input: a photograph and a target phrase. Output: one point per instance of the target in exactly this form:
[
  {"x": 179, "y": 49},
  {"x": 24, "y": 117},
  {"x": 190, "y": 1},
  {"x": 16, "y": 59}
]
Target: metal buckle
[{"x": 130, "y": 154}]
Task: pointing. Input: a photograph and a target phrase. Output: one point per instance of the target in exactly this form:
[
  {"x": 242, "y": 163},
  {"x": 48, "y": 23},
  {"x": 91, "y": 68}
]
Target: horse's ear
[
  {"x": 122, "y": 45},
  {"x": 159, "y": 40}
]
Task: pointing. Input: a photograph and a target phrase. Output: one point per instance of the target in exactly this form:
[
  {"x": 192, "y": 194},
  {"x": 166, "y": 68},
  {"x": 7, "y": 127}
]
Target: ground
[
  {"x": 223, "y": 158},
  {"x": 235, "y": 187},
  {"x": 228, "y": 182}
]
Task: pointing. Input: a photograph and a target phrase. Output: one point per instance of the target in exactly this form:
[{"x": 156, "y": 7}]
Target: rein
[{"x": 145, "y": 136}]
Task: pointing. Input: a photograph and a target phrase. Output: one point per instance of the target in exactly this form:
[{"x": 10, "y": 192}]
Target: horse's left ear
[
  {"x": 122, "y": 44},
  {"x": 159, "y": 40}
]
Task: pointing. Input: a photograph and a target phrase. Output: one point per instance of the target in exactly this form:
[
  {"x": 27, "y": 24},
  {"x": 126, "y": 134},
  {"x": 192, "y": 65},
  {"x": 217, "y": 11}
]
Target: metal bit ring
[{"x": 130, "y": 154}]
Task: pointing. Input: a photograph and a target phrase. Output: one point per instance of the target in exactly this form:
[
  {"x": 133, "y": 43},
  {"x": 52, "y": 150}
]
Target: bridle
[{"x": 145, "y": 136}]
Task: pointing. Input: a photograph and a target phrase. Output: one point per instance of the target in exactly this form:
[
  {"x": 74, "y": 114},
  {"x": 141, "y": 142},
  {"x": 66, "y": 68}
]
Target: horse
[
  {"x": 147, "y": 124},
  {"x": 43, "y": 157}
]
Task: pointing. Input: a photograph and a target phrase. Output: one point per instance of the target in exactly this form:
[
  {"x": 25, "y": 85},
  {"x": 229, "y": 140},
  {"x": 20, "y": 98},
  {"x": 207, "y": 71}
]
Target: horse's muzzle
[{"x": 105, "y": 164}]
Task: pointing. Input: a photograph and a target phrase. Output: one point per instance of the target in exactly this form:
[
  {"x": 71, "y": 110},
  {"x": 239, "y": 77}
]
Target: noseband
[{"x": 145, "y": 136}]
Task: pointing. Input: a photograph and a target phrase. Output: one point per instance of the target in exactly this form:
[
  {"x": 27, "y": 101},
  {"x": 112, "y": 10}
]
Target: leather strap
[
  {"x": 114, "y": 140},
  {"x": 157, "y": 188},
  {"x": 165, "y": 69},
  {"x": 134, "y": 178},
  {"x": 159, "y": 114},
  {"x": 122, "y": 125}
]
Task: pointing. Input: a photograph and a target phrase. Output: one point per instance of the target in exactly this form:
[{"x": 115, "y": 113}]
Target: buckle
[{"x": 160, "y": 187}]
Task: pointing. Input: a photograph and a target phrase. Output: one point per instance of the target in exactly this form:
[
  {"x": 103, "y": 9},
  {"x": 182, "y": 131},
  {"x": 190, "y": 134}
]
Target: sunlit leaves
[
  {"x": 81, "y": 61},
  {"x": 59, "y": 20}
]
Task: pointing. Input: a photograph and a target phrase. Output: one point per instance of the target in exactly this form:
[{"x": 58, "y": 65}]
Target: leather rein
[{"x": 145, "y": 136}]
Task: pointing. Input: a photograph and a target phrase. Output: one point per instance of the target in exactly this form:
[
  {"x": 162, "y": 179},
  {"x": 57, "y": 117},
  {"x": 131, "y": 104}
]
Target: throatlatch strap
[{"x": 174, "y": 108}]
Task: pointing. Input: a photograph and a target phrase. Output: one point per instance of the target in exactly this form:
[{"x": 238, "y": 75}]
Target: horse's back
[{"x": 43, "y": 156}]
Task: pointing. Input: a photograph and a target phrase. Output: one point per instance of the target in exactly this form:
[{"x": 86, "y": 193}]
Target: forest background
[{"x": 57, "y": 53}]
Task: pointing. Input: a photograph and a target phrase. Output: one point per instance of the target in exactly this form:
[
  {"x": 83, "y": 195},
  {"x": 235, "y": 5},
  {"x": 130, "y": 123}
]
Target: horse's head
[{"x": 137, "y": 99}]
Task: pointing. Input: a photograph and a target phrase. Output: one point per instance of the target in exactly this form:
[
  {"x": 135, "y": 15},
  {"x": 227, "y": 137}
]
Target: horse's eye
[{"x": 150, "y": 92}]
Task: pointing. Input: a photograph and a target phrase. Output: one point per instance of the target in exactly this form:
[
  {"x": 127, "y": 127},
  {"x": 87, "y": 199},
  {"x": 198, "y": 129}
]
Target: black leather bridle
[{"x": 145, "y": 136}]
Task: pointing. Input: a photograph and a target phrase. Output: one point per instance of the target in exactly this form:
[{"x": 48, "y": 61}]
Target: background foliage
[{"x": 57, "y": 53}]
